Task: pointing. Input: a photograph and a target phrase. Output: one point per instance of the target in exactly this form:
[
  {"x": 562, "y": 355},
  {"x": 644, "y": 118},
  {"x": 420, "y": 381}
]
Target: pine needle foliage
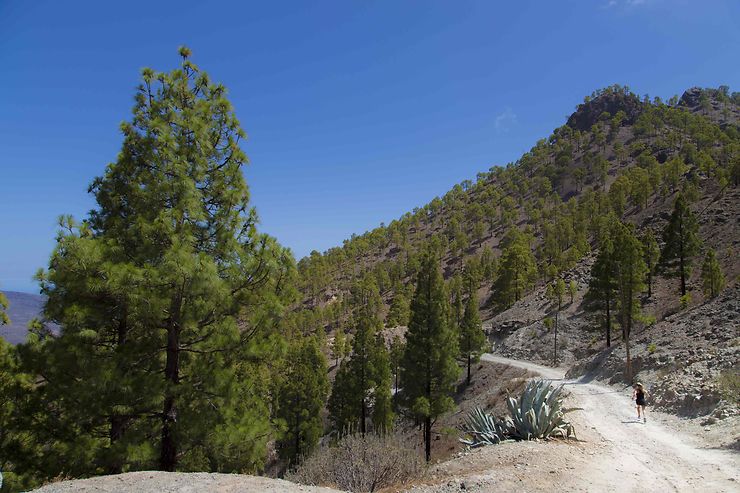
[
  {"x": 711, "y": 275},
  {"x": 168, "y": 299},
  {"x": 681, "y": 242},
  {"x": 428, "y": 367}
]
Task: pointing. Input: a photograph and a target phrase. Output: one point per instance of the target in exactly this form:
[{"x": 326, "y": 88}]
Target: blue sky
[{"x": 356, "y": 111}]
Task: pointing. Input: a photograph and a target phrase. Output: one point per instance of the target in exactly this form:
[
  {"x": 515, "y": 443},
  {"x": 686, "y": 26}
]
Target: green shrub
[
  {"x": 685, "y": 301},
  {"x": 652, "y": 348},
  {"x": 728, "y": 383}
]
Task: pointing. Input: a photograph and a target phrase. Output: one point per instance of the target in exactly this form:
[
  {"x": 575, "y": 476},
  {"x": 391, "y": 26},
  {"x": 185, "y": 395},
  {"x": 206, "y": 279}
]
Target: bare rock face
[
  {"x": 691, "y": 98},
  {"x": 611, "y": 102}
]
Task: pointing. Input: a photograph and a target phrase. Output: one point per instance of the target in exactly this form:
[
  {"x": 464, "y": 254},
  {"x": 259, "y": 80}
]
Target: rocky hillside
[{"x": 617, "y": 154}]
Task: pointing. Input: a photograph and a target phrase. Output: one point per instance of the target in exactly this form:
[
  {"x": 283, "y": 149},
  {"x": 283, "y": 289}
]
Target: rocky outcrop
[
  {"x": 611, "y": 102},
  {"x": 691, "y": 98}
]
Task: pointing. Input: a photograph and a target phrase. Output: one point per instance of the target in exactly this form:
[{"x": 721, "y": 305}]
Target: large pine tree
[
  {"x": 651, "y": 254},
  {"x": 518, "y": 269},
  {"x": 300, "y": 398},
  {"x": 630, "y": 274},
  {"x": 556, "y": 292},
  {"x": 682, "y": 243},
  {"x": 601, "y": 294},
  {"x": 167, "y": 296},
  {"x": 428, "y": 367},
  {"x": 361, "y": 388}
]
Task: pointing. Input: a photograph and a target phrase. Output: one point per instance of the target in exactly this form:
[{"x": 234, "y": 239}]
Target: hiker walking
[{"x": 639, "y": 395}]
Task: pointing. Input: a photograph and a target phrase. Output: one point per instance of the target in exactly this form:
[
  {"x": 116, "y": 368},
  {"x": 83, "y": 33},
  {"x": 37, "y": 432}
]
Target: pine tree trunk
[
  {"x": 683, "y": 274},
  {"x": 627, "y": 330},
  {"x": 362, "y": 401},
  {"x": 608, "y": 323},
  {"x": 681, "y": 258},
  {"x": 168, "y": 452},
  {"x": 297, "y": 432},
  {"x": 428, "y": 419},
  {"x": 117, "y": 427},
  {"x": 469, "y": 368},
  {"x": 555, "y": 353},
  {"x": 629, "y": 360},
  {"x": 428, "y": 438},
  {"x": 118, "y": 423}
]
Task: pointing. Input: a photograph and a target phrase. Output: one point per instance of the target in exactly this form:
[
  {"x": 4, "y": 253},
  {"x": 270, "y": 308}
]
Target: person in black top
[{"x": 639, "y": 395}]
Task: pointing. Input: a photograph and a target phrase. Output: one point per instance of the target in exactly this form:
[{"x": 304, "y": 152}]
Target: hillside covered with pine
[{"x": 190, "y": 340}]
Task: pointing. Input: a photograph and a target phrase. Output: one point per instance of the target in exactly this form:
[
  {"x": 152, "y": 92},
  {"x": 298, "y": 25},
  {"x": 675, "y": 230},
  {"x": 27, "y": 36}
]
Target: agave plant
[
  {"x": 485, "y": 429},
  {"x": 538, "y": 413}
]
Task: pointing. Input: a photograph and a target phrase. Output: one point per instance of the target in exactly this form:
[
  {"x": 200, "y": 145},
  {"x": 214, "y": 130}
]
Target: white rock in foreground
[{"x": 175, "y": 482}]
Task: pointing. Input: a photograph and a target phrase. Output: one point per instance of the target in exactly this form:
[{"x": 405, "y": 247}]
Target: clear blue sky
[{"x": 357, "y": 111}]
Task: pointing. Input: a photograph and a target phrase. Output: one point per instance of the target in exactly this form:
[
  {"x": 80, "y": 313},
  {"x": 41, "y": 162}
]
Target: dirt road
[{"x": 638, "y": 457}]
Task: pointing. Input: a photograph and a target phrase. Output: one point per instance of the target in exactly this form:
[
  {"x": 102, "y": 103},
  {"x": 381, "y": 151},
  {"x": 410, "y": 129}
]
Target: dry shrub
[
  {"x": 729, "y": 385},
  {"x": 362, "y": 464}
]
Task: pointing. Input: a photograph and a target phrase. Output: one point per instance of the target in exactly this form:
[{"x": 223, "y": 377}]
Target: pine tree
[
  {"x": 339, "y": 345},
  {"x": 711, "y": 275},
  {"x": 398, "y": 313},
  {"x": 96, "y": 374},
  {"x": 365, "y": 379},
  {"x": 360, "y": 366},
  {"x": 517, "y": 270},
  {"x": 396, "y": 353},
  {"x": 428, "y": 368},
  {"x": 300, "y": 399},
  {"x": 681, "y": 237},
  {"x": 15, "y": 454},
  {"x": 556, "y": 292},
  {"x": 572, "y": 289},
  {"x": 341, "y": 404},
  {"x": 471, "y": 339},
  {"x": 167, "y": 296},
  {"x": 457, "y": 306},
  {"x": 601, "y": 294},
  {"x": 630, "y": 275},
  {"x": 652, "y": 254},
  {"x": 382, "y": 415}
]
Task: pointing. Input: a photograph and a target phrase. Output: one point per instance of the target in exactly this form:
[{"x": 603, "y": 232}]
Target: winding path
[{"x": 639, "y": 457}]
